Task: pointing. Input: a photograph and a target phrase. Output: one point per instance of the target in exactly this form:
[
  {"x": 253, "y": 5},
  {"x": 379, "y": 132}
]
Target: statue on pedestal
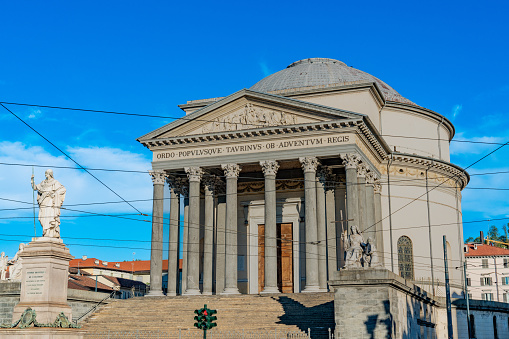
[
  {"x": 370, "y": 255},
  {"x": 353, "y": 247},
  {"x": 3, "y": 265},
  {"x": 51, "y": 195},
  {"x": 16, "y": 264},
  {"x": 358, "y": 253}
]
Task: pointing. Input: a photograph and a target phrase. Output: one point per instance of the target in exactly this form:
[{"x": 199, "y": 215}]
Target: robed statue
[
  {"x": 50, "y": 197},
  {"x": 357, "y": 252}
]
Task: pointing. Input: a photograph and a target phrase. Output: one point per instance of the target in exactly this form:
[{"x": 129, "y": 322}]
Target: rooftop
[
  {"x": 321, "y": 72},
  {"x": 485, "y": 250},
  {"x": 135, "y": 266}
]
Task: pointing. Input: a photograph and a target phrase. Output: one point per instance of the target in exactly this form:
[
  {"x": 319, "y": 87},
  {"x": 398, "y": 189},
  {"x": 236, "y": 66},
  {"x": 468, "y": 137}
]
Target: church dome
[{"x": 321, "y": 72}]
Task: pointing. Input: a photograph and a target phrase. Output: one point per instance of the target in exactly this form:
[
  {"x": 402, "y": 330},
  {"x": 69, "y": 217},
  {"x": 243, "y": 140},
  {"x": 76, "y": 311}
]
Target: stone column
[
  {"x": 377, "y": 188},
  {"x": 361, "y": 188},
  {"x": 330, "y": 210},
  {"x": 220, "y": 240},
  {"x": 231, "y": 172},
  {"x": 156, "y": 251},
  {"x": 269, "y": 168},
  {"x": 370, "y": 208},
  {"x": 208, "y": 240},
  {"x": 309, "y": 165},
  {"x": 184, "y": 189},
  {"x": 193, "y": 247},
  {"x": 323, "y": 176},
  {"x": 341, "y": 215},
  {"x": 174, "y": 239},
  {"x": 351, "y": 160}
]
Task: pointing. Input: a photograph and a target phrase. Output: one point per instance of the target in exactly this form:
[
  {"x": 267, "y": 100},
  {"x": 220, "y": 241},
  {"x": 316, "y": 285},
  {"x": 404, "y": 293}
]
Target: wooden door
[{"x": 284, "y": 233}]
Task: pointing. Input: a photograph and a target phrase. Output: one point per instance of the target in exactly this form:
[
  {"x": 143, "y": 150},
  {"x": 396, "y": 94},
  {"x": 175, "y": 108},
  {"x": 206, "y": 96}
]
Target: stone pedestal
[{"x": 44, "y": 280}]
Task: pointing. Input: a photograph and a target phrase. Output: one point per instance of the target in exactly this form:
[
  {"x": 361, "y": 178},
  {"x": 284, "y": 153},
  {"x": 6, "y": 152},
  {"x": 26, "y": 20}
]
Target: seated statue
[
  {"x": 353, "y": 248},
  {"x": 16, "y": 262},
  {"x": 370, "y": 255},
  {"x": 3, "y": 265}
]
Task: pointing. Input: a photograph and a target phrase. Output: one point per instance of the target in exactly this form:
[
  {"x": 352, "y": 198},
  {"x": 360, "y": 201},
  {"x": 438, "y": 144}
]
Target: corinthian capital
[
  {"x": 370, "y": 178},
  {"x": 210, "y": 182},
  {"x": 377, "y": 186},
  {"x": 324, "y": 174},
  {"x": 193, "y": 173},
  {"x": 309, "y": 164},
  {"x": 231, "y": 170},
  {"x": 269, "y": 167},
  {"x": 350, "y": 160},
  {"x": 158, "y": 177},
  {"x": 361, "y": 171},
  {"x": 182, "y": 186}
]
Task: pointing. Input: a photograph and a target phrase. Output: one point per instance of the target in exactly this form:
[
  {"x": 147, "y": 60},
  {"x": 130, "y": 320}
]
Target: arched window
[{"x": 405, "y": 258}]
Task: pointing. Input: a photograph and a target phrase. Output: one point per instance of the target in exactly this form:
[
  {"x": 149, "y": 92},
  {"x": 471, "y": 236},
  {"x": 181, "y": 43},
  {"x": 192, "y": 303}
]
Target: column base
[
  {"x": 171, "y": 294},
  {"x": 311, "y": 289},
  {"x": 192, "y": 292},
  {"x": 231, "y": 290},
  {"x": 207, "y": 293},
  {"x": 155, "y": 294},
  {"x": 270, "y": 290},
  {"x": 323, "y": 290}
]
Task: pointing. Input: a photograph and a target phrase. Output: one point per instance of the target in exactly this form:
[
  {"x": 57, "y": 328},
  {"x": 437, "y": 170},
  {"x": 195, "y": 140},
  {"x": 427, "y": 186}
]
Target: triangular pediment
[{"x": 247, "y": 110}]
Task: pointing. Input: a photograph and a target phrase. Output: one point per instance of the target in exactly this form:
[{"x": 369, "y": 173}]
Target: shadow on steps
[{"x": 318, "y": 318}]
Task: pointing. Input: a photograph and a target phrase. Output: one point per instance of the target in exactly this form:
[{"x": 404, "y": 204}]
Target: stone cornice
[{"x": 456, "y": 172}]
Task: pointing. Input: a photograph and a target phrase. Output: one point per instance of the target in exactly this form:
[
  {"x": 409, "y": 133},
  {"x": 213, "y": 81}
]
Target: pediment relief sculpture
[{"x": 250, "y": 117}]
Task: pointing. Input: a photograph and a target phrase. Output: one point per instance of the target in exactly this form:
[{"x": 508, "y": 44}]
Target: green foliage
[{"x": 493, "y": 234}]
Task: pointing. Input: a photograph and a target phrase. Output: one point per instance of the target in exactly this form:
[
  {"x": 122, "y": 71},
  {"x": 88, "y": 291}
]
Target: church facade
[{"x": 272, "y": 178}]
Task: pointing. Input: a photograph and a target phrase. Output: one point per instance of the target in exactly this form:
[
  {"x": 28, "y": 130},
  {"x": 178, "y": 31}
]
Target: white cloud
[
  {"x": 34, "y": 113},
  {"x": 491, "y": 203},
  {"x": 465, "y": 144},
  {"x": 456, "y": 110},
  {"x": 81, "y": 187},
  {"x": 265, "y": 69}
]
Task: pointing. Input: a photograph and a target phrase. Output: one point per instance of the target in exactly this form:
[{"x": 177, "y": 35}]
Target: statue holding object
[
  {"x": 358, "y": 253},
  {"x": 50, "y": 197}
]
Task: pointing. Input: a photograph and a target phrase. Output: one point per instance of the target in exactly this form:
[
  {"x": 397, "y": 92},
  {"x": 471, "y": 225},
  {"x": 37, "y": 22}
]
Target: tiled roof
[
  {"x": 485, "y": 250},
  {"x": 86, "y": 282},
  {"x": 136, "y": 266}
]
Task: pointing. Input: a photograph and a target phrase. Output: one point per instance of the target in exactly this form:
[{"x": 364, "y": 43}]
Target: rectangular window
[
  {"x": 469, "y": 281},
  {"x": 487, "y": 296},
  {"x": 485, "y": 263},
  {"x": 506, "y": 263},
  {"x": 505, "y": 280},
  {"x": 506, "y": 297},
  {"x": 470, "y": 296},
  {"x": 486, "y": 281}
]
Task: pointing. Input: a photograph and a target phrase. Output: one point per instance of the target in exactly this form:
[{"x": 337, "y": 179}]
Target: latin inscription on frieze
[
  {"x": 264, "y": 146},
  {"x": 35, "y": 281}
]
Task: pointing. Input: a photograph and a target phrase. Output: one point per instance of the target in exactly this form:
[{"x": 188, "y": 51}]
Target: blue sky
[{"x": 148, "y": 57}]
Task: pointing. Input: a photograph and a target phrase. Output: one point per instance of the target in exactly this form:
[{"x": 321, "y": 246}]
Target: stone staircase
[{"x": 285, "y": 312}]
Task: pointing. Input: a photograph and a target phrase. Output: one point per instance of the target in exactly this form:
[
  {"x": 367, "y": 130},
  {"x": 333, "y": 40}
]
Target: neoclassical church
[{"x": 272, "y": 178}]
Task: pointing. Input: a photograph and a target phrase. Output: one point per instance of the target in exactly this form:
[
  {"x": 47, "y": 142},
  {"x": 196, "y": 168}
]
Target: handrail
[{"x": 95, "y": 307}]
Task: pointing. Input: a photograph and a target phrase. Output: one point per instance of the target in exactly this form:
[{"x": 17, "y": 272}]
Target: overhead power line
[{"x": 70, "y": 158}]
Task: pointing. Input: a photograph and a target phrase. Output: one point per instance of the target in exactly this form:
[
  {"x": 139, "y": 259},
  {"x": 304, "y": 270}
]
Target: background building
[{"x": 487, "y": 272}]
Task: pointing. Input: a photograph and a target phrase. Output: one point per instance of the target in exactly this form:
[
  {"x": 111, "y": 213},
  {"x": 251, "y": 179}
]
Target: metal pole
[
  {"x": 468, "y": 301},
  {"x": 447, "y": 293},
  {"x": 430, "y": 240},
  {"x": 33, "y": 205},
  {"x": 96, "y": 283},
  {"x": 496, "y": 276}
]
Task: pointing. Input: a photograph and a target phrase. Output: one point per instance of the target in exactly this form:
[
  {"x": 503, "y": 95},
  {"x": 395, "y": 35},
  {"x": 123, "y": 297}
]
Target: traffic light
[{"x": 205, "y": 318}]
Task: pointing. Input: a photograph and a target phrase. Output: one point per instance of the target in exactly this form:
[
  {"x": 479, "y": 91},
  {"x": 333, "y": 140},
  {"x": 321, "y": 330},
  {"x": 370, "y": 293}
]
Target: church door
[{"x": 284, "y": 257}]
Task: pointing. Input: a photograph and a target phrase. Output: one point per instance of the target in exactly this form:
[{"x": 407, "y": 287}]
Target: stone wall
[
  {"x": 80, "y": 301},
  {"x": 376, "y": 303},
  {"x": 9, "y": 297}
]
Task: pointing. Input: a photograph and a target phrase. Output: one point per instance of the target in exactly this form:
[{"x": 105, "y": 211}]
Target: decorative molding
[
  {"x": 231, "y": 170},
  {"x": 269, "y": 167},
  {"x": 370, "y": 178},
  {"x": 362, "y": 170},
  {"x": 158, "y": 177},
  {"x": 377, "y": 185},
  {"x": 193, "y": 173},
  {"x": 249, "y": 117},
  {"x": 258, "y": 186},
  {"x": 309, "y": 164},
  {"x": 350, "y": 160}
]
